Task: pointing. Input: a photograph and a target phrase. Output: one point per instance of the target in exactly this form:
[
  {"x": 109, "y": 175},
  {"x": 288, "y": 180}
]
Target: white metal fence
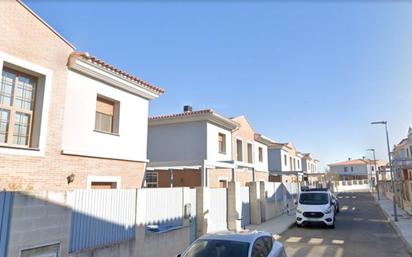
[
  {"x": 101, "y": 217},
  {"x": 217, "y": 220}
]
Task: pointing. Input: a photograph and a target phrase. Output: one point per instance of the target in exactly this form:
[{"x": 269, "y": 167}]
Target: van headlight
[
  {"x": 298, "y": 210},
  {"x": 328, "y": 210}
]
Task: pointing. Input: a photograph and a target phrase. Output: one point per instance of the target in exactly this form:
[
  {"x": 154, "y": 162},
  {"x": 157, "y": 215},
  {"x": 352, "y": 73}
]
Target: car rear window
[
  {"x": 217, "y": 248},
  {"x": 313, "y": 198}
]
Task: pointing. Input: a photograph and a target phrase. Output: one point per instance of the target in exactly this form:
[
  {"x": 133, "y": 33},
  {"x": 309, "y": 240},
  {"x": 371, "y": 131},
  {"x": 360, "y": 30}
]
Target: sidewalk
[
  {"x": 277, "y": 225},
  {"x": 404, "y": 225}
]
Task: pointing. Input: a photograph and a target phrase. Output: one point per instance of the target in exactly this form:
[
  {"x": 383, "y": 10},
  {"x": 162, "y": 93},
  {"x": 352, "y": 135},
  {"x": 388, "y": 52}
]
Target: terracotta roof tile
[
  {"x": 183, "y": 114},
  {"x": 111, "y": 68},
  {"x": 352, "y": 162}
]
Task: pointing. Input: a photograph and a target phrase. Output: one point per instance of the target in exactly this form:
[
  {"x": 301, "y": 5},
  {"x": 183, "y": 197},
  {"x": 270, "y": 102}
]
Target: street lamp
[
  {"x": 376, "y": 171},
  {"x": 395, "y": 211}
]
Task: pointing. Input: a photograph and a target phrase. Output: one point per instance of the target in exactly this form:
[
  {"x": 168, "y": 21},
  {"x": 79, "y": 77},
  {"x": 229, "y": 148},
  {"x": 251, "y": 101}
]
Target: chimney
[{"x": 187, "y": 108}]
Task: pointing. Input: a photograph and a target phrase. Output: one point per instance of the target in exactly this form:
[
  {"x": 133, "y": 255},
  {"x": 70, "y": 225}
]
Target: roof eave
[
  {"x": 89, "y": 68},
  {"x": 211, "y": 117}
]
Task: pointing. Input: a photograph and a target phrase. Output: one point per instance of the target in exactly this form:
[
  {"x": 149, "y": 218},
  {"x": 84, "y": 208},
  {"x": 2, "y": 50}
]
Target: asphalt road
[{"x": 361, "y": 230}]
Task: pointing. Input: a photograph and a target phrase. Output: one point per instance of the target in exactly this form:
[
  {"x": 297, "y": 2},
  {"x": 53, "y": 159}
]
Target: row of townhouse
[
  {"x": 204, "y": 148},
  {"x": 69, "y": 120},
  {"x": 402, "y": 168},
  {"x": 287, "y": 164}
]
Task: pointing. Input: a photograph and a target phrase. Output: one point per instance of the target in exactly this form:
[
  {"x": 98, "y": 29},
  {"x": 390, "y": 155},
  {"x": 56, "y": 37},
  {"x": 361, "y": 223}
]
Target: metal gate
[
  {"x": 6, "y": 200},
  {"x": 244, "y": 196}
]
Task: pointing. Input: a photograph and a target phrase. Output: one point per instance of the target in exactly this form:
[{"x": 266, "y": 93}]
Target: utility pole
[
  {"x": 395, "y": 211},
  {"x": 376, "y": 172}
]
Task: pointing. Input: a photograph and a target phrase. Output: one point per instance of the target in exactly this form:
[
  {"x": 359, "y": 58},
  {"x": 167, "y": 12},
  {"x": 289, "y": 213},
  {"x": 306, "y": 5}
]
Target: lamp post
[
  {"x": 395, "y": 211},
  {"x": 376, "y": 171}
]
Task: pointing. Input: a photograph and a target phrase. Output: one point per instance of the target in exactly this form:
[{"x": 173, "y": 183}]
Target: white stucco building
[
  {"x": 355, "y": 169},
  {"x": 287, "y": 164},
  {"x": 204, "y": 148}
]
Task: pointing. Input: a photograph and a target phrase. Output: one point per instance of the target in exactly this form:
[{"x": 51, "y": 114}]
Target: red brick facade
[{"x": 25, "y": 37}]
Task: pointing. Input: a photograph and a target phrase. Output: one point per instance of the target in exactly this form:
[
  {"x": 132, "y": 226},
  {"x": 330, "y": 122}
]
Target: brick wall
[
  {"x": 24, "y": 36},
  {"x": 261, "y": 176},
  {"x": 181, "y": 178}
]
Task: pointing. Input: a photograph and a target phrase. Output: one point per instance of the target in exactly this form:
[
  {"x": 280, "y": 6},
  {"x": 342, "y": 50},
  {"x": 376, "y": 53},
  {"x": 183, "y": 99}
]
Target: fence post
[
  {"x": 254, "y": 199},
  {"x": 262, "y": 197},
  {"x": 234, "y": 207},
  {"x": 202, "y": 209}
]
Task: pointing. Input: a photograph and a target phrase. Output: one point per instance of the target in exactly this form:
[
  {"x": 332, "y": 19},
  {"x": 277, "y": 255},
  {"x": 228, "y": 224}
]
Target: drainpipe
[{"x": 171, "y": 177}]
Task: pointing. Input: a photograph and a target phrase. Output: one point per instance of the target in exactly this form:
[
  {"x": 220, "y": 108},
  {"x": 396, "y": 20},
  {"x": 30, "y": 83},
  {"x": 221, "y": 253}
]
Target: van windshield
[{"x": 314, "y": 198}]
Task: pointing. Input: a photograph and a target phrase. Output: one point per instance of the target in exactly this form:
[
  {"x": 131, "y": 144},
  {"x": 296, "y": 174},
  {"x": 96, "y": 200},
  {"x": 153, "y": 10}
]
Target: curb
[
  {"x": 291, "y": 225},
  {"x": 395, "y": 227}
]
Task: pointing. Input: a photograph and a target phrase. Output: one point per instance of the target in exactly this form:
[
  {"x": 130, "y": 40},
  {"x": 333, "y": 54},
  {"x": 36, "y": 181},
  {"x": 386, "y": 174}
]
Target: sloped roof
[
  {"x": 206, "y": 114},
  {"x": 352, "y": 162},
  {"x": 182, "y": 114},
  {"x": 86, "y": 56}
]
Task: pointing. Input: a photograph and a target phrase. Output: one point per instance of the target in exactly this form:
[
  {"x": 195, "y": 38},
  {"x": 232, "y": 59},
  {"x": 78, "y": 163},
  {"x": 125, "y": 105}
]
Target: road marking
[
  {"x": 315, "y": 241},
  {"x": 338, "y": 242},
  {"x": 293, "y": 239}
]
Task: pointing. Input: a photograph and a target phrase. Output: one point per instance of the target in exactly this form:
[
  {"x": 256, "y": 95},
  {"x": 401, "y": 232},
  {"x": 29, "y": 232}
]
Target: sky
[{"x": 314, "y": 73}]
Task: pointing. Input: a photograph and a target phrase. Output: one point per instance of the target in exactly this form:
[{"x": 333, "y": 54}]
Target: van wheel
[{"x": 298, "y": 225}]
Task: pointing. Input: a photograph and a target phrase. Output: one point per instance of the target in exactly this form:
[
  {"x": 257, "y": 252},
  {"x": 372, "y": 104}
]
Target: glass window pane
[
  {"x": 104, "y": 122},
  {"x": 4, "y": 125},
  {"x": 25, "y": 92},
  {"x": 6, "y": 87},
  {"x": 21, "y": 129}
]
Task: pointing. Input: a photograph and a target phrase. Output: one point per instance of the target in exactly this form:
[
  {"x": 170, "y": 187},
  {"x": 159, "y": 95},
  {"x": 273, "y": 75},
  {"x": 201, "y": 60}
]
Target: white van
[{"x": 315, "y": 206}]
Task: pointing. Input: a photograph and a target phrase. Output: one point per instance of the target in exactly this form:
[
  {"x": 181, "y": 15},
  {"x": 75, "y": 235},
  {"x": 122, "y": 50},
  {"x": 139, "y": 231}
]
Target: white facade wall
[
  {"x": 79, "y": 137},
  {"x": 261, "y": 166},
  {"x": 274, "y": 160},
  {"x": 178, "y": 142},
  {"x": 213, "y": 143},
  {"x": 358, "y": 170},
  {"x": 277, "y": 161},
  {"x": 309, "y": 166}
]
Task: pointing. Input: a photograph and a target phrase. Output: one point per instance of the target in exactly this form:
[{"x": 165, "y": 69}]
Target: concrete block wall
[
  {"x": 39, "y": 219},
  {"x": 255, "y": 201},
  {"x": 44, "y": 218},
  {"x": 234, "y": 206}
]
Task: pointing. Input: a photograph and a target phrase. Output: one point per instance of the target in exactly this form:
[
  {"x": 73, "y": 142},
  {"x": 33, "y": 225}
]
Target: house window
[
  {"x": 222, "y": 183},
  {"x": 345, "y": 169},
  {"x": 103, "y": 185},
  {"x": 17, "y": 99},
  {"x": 107, "y": 115},
  {"x": 351, "y": 169},
  {"x": 222, "y": 143},
  {"x": 152, "y": 179},
  {"x": 286, "y": 160},
  {"x": 298, "y": 164},
  {"x": 260, "y": 149},
  {"x": 373, "y": 168},
  {"x": 291, "y": 164},
  {"x": 249, "y": 153},
  {"x": 239, "y": 151}
]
